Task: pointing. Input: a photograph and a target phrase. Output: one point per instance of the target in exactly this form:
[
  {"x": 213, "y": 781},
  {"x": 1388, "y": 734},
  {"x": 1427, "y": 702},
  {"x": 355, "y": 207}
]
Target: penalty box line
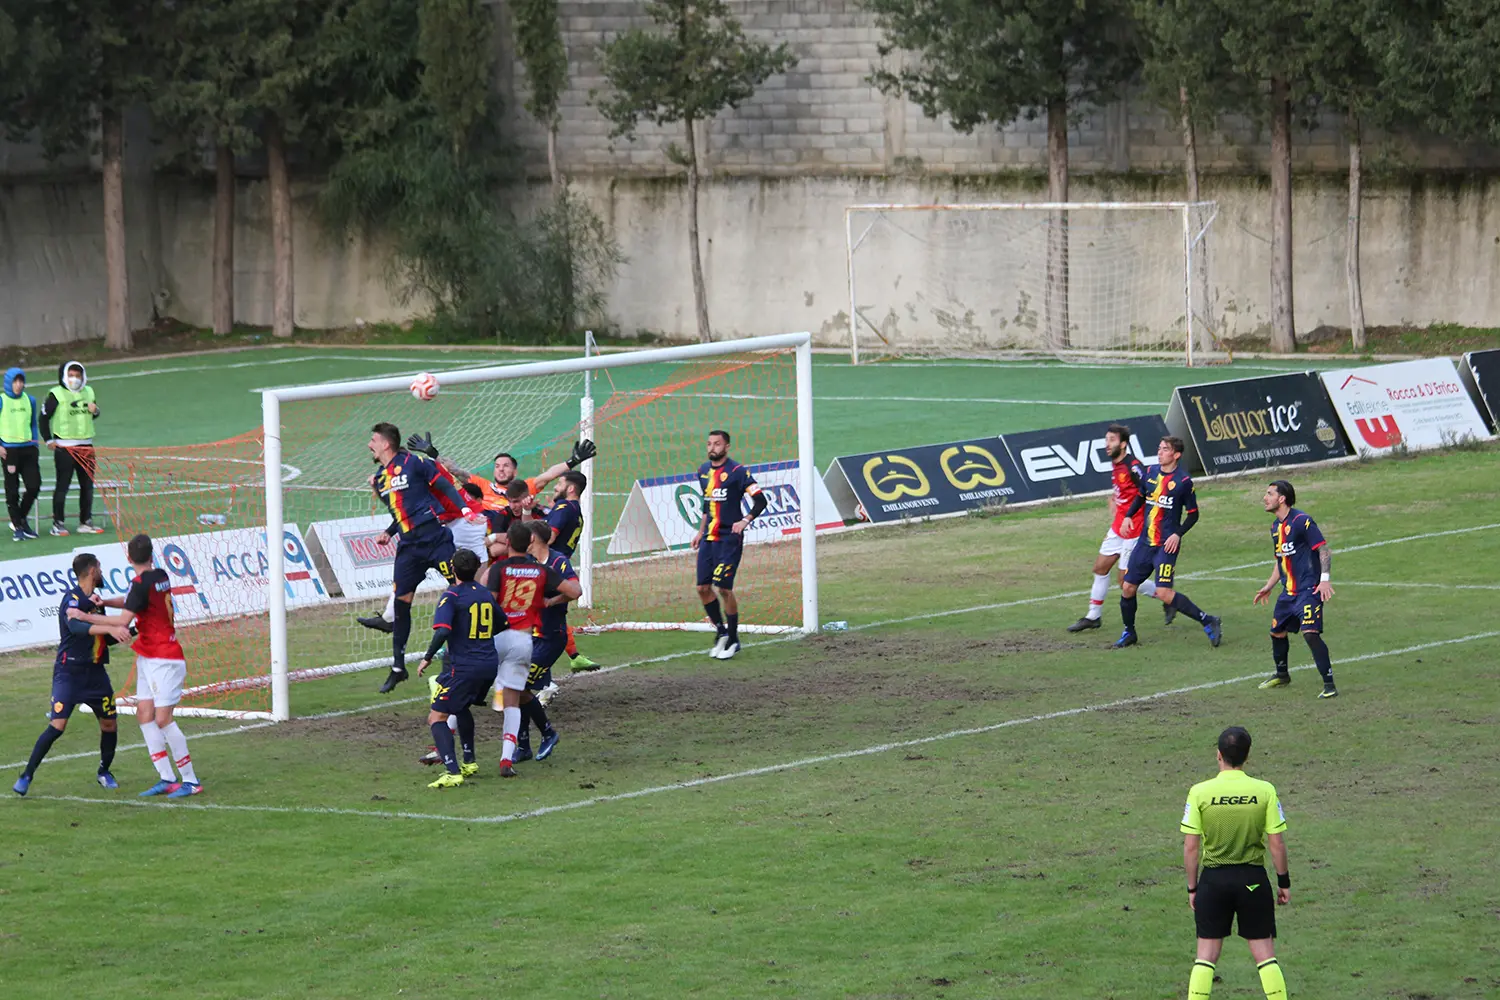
[
  {"x": 1069, "y": 595},
  {"x": 756, "y": 772}
]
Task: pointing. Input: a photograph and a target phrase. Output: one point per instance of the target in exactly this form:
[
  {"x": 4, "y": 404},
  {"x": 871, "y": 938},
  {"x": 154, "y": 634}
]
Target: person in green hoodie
[
  {"x": 19, "y": 448},
  {"x": 67, "y": 425}
]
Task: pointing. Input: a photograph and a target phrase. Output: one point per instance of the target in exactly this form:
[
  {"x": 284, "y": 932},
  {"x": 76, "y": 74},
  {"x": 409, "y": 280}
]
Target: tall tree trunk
[
  {"x": 1351, "y": 257},
  {"x": 700, "y": 291},
  {"x": 1283, "y": 327},
  {"x": 283, "y": 323},
  {"x": 552, "y": 168},
  {"x": 1057, "y": 225},
  {"x": 1197, "y": 320},
  {"x": 223, "y": 241},
  {"x": 117, "y": 279}
]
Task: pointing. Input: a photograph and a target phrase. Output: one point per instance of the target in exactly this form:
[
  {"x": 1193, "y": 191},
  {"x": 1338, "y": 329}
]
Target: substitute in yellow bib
[
  {"x": 1227, "y": 825},
  {"x": 67, "y": 425}
]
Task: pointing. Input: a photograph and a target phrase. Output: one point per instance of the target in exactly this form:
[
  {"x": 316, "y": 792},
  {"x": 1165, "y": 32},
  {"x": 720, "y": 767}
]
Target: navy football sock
[
  {"x": 1181, "y": 603},
  {"x": 1320, "y": 655},
  {"x": 466, "y": 734},
  {"x": 1280, "y": 651},
  {"x": 734, "y": 627},
  {"x": 43, "y": 744},
  {"x": 712, "y": 610},
  {"x": 1127, "y": 613},
  {"x": 442, "y": 736},
  {"x": 401, "y": 633},
  {"x": 538, "y": 715},
  {"x": 107, "y": 743}
]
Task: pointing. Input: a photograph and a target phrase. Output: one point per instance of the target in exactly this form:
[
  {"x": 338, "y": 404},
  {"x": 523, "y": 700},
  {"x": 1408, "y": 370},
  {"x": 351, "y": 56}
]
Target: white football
[{"x": 424, "y": 386}]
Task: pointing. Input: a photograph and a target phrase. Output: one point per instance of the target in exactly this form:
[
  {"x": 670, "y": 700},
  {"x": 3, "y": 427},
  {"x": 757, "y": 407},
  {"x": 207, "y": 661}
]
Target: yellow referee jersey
[{"x": 1233, "y": 813}]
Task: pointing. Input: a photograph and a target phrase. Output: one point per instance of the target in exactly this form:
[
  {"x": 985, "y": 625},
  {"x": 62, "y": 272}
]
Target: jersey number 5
[{"x": 482, "y": 621}]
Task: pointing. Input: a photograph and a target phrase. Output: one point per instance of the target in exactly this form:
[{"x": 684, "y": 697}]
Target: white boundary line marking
[
  {"x": 1394, "y": 584},
  {"x": 1204, "y": 575},
  {"x": 769, "y": 769}
]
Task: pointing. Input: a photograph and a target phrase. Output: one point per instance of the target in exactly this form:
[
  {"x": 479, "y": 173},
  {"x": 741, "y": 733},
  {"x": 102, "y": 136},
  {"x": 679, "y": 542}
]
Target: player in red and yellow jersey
[
  {"x": 1171, "y": 510},
  {"x": 721, "y": 538},
  {"x": 1125, "y": 476},
  {"x": 1301, "y": 560}
]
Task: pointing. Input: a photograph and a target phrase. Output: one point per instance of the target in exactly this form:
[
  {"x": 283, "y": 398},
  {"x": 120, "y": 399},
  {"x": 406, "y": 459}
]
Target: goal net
[
  {"x": 1074, "y": 279},
  {"x": 254, "y": 616}
]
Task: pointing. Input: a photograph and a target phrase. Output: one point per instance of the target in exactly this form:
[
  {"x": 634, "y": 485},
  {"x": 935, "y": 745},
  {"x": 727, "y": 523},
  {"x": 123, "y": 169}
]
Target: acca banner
[
  {"x": 350, "y": 554},
  {"x": 219, "y": 573},
  {"x": 1253, "y": 423},
  {"x": 30, "y": 592},
  {"x": 1066, "y": 461},
  {"x": 926, "y": 480},
  {"x": 1415, "y": 404},
  {"x": 665, "y": 512}
]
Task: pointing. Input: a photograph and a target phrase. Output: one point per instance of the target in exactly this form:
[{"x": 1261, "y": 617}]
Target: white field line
[
  {"x": 1205, "y": 575},
  {"x": 757, "y": 772},
  {"x": 1337, "y": 550},
  {"x": 821, "y": 398},
  {"x": 176, "y": 369},
  {"x": 1391, "y": 584}
]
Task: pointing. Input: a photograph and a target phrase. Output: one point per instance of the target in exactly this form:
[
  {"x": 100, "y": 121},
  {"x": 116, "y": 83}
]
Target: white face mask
[{"x": 74, "y": 383}]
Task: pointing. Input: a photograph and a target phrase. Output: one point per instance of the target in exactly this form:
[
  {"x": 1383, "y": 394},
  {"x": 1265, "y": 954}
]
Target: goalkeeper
[{"x": 495, "y": 498}]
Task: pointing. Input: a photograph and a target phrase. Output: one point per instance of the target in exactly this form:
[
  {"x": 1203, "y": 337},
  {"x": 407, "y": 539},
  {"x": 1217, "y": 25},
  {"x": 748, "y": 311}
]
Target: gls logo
[
  {"x": 1057, "y": 462},
  {"x": 1286, "y": 549},
  {"x": 969, "y": 466},
  {"x": 394, "y": 484},
  {"x": 892, "y": 476}
]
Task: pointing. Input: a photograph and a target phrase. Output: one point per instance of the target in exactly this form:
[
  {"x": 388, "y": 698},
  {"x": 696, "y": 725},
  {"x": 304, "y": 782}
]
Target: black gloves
[
  {"x": 422, "y": 443},
  {"x": 582, "y": 452}
]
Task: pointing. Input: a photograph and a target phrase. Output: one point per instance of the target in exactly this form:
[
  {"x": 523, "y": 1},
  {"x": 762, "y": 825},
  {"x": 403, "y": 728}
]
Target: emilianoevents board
[{"x": 1412, "y": 404}]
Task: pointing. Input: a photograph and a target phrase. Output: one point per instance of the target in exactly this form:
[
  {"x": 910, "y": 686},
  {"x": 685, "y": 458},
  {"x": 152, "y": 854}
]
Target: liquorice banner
[
  {"x": 1253, "y": 423},
  {"x": 1066, "y": 461},
  {"x": 925, "y": 480},
  {"x": 1481, "y": 373}
]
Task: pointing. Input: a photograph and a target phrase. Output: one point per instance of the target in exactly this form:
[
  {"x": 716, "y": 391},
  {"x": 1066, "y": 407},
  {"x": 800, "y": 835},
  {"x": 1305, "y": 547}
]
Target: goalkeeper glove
[
  {"x": 582, "y": 452},
  {"x": 422, "y": 443}
]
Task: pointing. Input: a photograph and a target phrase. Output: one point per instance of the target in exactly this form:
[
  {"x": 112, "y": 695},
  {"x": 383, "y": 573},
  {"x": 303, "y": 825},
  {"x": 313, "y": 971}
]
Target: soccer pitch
[{"x": 955, "y": 798}]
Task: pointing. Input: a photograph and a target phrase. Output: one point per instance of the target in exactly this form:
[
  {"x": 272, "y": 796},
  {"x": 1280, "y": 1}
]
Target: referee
[{"x": 1227, "y": 824}]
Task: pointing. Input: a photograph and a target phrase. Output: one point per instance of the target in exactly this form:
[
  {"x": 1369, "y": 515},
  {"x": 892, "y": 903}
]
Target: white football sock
[
  {"x": 453, "y": 723},
  {"x": 512, "y": 729},
  {"x": 156, "y": 745},
  {"x": 389, "y": 614},
  {"x": 178, "y": 744},
  {"x": 1096, "y": 596},
  {"x": 1146, "y": 589}
]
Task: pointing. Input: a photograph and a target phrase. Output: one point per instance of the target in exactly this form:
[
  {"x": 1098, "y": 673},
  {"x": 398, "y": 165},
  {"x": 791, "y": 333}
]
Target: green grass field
[{"x": 955, "y": 798}]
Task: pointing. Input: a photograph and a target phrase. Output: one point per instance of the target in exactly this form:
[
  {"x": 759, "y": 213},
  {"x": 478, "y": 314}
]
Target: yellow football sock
[
  {"x": 1201, "y": 980},
  {"x": 1271, "y": 980}
]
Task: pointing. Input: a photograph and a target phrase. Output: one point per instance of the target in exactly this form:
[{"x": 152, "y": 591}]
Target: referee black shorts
[{"x": 1232, "y": 894}]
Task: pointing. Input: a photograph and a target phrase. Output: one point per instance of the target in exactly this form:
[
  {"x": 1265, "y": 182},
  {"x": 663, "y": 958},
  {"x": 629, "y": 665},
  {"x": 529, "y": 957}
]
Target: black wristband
[
  {"x": 1284, "y": 880},
  {"x": 1192, "y": 889}
]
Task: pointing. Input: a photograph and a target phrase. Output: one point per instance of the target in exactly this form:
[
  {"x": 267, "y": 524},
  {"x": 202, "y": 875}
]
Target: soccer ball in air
[{"x": 424, "y": 387}]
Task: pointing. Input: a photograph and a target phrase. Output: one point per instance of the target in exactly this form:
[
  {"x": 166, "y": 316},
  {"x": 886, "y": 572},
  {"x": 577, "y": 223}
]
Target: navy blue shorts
[
  {"x": 415, "y": 555},
  {"x": 545, "y": 651},
  {"x": 1152, "y": 561},
  {"x": 87, "y": 686},
  {"x": 457, "y": 690},
  {"x": 719, "y": 561},
  {"x": 1300, "y": 613}
]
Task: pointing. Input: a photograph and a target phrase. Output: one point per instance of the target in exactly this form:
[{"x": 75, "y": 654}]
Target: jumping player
[
  {"x": 1171, "y": 506},
  {"x": 524, "y": 586},
  {"x": 408, "y": 484},
  {"x": 1119, "y": 540},
  {"x": 1305, "y": 586},
  {"x": 720, "y": 540},
  {"x": 468, "y": 621},
  {"x": 79, "y": 674}
]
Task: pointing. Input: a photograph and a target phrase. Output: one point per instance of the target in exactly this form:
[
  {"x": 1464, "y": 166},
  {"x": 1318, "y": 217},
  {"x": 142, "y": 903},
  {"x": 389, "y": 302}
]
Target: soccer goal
[
  {"x": 1075, "y": 279},
  {"x": 255, "y": 615}
]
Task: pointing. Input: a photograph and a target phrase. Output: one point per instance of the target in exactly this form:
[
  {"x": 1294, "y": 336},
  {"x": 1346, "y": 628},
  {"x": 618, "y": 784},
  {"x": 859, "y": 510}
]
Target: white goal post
[
  {"x": 276, "y": 476},
  {"x": 1075, "y": 279}
]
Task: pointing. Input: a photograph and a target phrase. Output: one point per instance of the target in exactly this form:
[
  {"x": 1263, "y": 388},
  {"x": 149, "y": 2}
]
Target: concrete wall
[{"x": 780, "y": 171}]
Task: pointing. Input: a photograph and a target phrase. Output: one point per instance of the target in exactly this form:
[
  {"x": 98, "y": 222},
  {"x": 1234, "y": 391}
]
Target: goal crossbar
[{"x": 273, "y": 398}]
